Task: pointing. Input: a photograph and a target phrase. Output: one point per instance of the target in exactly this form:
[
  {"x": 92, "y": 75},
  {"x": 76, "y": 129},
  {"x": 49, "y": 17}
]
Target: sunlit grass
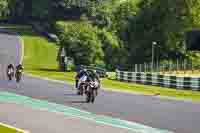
[{"x": 4, "y": 129}]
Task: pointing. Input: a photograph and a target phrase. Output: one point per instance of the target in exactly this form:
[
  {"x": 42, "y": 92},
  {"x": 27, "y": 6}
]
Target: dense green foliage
[
  {"x": 28, "y": 10},
  {"x": 139, "y": 23},
  {"x": 114, "y": 32},
  {"x": 88, "y": 44},
  {"x": 164, "y": 22},
  {"x": 81, "y": 43},
  {"x": 4, "y": 10}
]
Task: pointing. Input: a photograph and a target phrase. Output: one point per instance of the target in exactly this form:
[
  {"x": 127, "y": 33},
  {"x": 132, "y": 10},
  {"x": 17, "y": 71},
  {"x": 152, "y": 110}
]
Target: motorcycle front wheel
[
  {"x": 92, "y": 97},
  {"x": 18, "y": 78},
  {"x": 9, "y": 78},
  {"x": 88, "y": 95}
]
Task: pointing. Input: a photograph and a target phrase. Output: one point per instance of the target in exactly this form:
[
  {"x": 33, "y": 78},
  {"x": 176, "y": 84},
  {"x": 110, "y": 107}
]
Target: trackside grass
[
  {"x": 4, "y": 129},
  {"x": 40, "y": 59},
  {"x": 39, "y": 53},
  {"x": 152, "y": 90}
]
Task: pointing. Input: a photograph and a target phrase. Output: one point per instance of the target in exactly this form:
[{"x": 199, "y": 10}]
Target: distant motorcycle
[
  {"x": 10, "y": 74},
  {"x": 18, "y": 75}
]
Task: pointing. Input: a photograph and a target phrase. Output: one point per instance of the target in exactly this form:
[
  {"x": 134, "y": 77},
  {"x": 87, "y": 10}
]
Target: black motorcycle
[
  {"x": 18, "y": 75},
  {"x": 91, "y": 91},
  {"x": 82, "y": 84}
]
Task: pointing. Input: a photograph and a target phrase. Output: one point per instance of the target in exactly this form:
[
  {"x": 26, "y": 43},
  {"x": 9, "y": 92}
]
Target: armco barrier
[{"x": 190, "y": 83}]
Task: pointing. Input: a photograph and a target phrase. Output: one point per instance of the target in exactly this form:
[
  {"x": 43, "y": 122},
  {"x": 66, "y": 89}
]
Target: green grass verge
[
  {"x": 40, "y": 59},
  {"x": 152, "y": 90},
  {"x": 39, "y": 53},
  {"x": 4, "y": 129}
]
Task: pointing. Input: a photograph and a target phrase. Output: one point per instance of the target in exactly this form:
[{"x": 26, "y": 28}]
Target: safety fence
[
  {"x": 190, "y": 83},
  {"x": 179, "y": 65}
]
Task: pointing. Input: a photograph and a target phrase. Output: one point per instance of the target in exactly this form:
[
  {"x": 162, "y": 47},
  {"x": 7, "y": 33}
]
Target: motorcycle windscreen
[{"x": 83, "y": 79}]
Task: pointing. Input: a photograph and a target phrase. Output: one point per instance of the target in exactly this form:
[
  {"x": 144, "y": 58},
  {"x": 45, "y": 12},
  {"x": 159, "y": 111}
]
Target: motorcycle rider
[
  {"x": 95, "y": 78},
  {"x": 19, "y": 69},
  {"x": 10, "y": 70},
  {"x": 80, "y": 75},
  {"x": 95, "y": 75}
]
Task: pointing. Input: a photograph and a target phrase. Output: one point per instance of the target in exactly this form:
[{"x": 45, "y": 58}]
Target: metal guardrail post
[
  {"x": 136, "y": 68},
  {"x": 145, "y": 67}
]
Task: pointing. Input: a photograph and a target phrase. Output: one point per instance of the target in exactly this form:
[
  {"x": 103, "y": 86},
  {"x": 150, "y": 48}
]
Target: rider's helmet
[
  {"x": 19, "y": 66},
  {"x": 85, "y": 72},
  {"x": 10, "y": 65}
]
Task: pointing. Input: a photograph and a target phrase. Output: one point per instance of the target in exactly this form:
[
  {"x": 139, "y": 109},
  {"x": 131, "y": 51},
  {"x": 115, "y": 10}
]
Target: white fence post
[
  {"x": 157, "y": 66},
  {"x": 136, "y": 68},
  {"x": 177, "y": 66}
]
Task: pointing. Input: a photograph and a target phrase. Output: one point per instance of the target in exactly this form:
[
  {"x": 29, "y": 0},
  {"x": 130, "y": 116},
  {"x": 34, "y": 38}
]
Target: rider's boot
[{"x": 78, "y": 91}]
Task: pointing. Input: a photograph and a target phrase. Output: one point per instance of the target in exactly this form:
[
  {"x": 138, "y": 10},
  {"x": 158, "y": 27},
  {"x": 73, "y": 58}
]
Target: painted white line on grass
[{"x": 11, "y": 127}]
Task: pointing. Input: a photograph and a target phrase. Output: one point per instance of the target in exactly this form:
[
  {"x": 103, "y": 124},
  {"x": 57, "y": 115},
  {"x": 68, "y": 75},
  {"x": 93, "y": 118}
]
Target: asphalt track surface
[
  {"x": 173, "y": 115},
  {"x": 42, "y": 121}
]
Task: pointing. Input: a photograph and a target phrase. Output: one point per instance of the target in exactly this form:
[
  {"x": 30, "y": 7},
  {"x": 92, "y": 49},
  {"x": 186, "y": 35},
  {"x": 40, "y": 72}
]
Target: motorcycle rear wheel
[
  {"x": 18, "y": 78},
  {"x": 9, "y": 78}
]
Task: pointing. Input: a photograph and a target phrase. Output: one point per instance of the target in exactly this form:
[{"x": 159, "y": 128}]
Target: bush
[
  {"x": 81, "y": 42},
  {"x": 89, "y": 45},
  {"x": 111, "y": 48},
  {"x": 71, "y": 67}
]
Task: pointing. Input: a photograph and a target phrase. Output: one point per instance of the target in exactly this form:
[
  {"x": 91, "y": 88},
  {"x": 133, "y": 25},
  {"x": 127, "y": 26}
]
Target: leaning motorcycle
[
  {"x": 18, "y": 75},
  {"x": 91, "y": 91},
  {"x": 10, "y": 74}
]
